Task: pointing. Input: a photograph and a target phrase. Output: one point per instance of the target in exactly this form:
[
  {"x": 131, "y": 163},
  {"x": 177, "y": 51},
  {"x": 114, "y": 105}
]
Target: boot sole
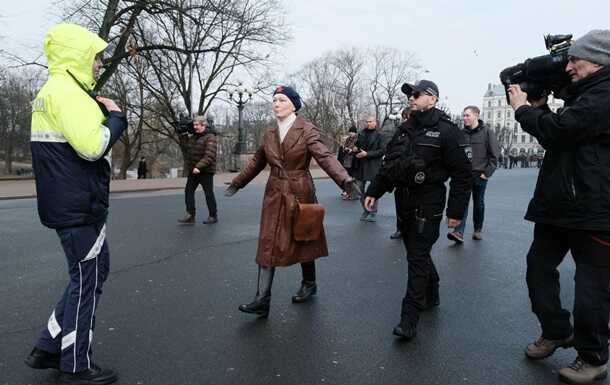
[
  {"x": 93, "y": 381},
  {"x": 260, "y": 313},
  {"x": 455, "y": 239},
  {"x": 303, "y": 300},
  {"x": 599, "y": 377}
]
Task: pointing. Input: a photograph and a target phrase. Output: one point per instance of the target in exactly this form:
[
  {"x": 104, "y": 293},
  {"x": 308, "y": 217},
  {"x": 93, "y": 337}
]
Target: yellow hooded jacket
[{"x": 70, "y": 135}]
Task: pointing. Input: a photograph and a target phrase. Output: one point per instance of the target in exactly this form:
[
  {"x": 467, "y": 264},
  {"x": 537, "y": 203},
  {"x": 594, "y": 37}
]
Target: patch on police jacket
[
  {"x": 468, "y": 151},
  {"x": 433, "y": 134}
]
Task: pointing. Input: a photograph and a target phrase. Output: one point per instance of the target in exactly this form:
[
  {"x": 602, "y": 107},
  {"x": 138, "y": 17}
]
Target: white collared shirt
[{"x": 284, "y": 125}]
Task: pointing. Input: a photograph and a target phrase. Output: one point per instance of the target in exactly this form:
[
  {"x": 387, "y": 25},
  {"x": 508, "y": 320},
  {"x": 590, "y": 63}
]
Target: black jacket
[
  {"x": 485, "y": 151},
  {"x": 435, "y": 139},
  {"x": 366, "y": 168},
  {"x": 573, "y": 188}
]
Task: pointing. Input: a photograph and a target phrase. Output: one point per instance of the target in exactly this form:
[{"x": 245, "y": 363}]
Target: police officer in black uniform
[{"x": 425, "y": 151}]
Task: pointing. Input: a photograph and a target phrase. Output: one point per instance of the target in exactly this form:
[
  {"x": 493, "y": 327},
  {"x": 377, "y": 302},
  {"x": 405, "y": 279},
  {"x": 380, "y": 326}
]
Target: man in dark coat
[
  {"x": 425, "y": 152},
  {"x": 571, "y": 210},
  {"x": 201, "y": 163},
  {"x": 142, "y": 169},
  {"x": 369, "y": 149}
]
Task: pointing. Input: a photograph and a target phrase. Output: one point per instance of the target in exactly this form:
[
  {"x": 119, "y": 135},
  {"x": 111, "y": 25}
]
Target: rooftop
[{"x": 494, "y": 90}]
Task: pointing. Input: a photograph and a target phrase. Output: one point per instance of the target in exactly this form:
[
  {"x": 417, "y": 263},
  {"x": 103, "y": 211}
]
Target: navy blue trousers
[{"x": 70, "y": 327}]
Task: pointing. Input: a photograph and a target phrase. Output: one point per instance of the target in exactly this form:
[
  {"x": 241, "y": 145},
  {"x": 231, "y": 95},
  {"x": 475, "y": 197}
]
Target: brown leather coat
[{"x": 289, "y": 162}]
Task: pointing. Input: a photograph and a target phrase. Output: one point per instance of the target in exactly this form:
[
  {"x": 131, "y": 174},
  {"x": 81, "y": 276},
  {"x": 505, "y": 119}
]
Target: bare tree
[
  {"x": 17, "y": 90},
  {"x": 350, "y": 66},
  {"x": 389, "y": 69}
]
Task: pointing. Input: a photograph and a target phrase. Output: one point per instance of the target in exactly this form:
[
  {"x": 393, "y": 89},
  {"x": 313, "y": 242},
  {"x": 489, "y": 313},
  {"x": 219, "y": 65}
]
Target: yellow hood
[{"x": 72, "y": 47}]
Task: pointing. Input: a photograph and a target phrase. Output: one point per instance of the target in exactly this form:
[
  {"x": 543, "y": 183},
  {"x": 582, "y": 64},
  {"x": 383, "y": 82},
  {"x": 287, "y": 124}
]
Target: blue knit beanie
[{"x": 291, "y": 94}]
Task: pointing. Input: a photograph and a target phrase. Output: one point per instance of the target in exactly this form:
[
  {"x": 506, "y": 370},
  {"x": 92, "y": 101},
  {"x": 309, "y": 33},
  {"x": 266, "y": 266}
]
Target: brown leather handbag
[{"x": 308, "y": 221}]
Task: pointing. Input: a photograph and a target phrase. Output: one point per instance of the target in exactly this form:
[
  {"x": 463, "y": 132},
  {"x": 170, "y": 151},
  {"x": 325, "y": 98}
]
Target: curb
[{"x": 4, "y": 198}]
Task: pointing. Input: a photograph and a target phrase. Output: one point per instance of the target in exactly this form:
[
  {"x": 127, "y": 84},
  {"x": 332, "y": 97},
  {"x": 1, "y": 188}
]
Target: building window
[
  {"x": 516, "y": 127},
  {"x": 531, "y": 139},
  {"x": 522, "y": 138},
  {"x": 515, "y": 138},
  {"x": 499, "y": 115},
  {"x": 489, "y": 103}
]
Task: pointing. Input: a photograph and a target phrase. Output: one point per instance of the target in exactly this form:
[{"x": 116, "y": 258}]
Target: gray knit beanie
[{"x": 594, "y": 46}]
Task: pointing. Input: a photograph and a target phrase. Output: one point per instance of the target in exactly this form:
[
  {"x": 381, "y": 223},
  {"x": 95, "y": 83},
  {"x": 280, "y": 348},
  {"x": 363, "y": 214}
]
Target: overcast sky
[{"x": 463, "y": 44}]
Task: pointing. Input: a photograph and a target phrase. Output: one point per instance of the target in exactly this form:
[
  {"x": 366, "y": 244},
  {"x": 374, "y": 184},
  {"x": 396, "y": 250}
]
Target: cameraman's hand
[
  {"x": 517, "y": 97},
  {"x": 108, "y": 103},
  {"x": 361, "y": 154},
  {"x": 196, "y": 171},
  {"x": 230, "y": 191},
  {"x": 369, "y": 202}
]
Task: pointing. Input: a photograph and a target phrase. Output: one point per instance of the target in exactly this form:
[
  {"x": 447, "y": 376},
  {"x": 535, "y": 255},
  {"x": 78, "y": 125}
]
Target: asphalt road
[{"x": 169, "y": 315}]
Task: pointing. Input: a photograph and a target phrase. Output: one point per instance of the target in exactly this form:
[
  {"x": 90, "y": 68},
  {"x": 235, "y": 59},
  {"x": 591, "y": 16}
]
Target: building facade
[{"x": 499, "y": 115}]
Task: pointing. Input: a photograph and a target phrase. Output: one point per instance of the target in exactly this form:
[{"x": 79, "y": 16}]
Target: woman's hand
[
  {"x": 352, "y": 189},
  {"x": 230, "y": 191}
]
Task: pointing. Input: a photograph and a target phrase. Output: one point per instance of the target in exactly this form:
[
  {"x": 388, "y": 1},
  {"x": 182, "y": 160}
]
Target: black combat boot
[
  {"x": 41, "y": 359},
  {"x": 262, "y": 300},
  {"x": 308, "y": 289}
]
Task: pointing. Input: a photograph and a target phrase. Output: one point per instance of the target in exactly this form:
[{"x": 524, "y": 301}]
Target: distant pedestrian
[
  {"x": 287, "y": 148},
  {"x": 346, "y": 156},
  {"x": 369, "y": 150},
  {"x": 513, "y": 161},
  {"x": 485, "y": 153},
  {"x": 142, "y": 168}
]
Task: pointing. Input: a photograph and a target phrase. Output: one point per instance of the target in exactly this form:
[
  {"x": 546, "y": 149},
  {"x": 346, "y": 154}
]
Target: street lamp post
[{"x": 240, "y": 95}]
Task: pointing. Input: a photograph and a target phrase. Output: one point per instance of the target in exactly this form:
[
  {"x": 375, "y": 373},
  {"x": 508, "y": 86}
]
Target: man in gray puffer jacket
[{"x": 484, "y": 158}]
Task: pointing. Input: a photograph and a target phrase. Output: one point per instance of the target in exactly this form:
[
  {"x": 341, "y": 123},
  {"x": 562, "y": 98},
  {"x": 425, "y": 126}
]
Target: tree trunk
[{"x": 8, "y": 150}]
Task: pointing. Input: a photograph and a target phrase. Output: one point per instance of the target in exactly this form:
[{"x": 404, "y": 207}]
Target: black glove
[
  {"x": 351, "y": 188},
  {"x": 230, "y": 191}
]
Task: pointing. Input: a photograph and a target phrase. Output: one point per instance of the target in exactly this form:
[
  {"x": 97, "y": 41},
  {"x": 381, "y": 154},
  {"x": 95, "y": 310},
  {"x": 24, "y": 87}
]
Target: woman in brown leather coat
[{"x": 287, "y": 148}]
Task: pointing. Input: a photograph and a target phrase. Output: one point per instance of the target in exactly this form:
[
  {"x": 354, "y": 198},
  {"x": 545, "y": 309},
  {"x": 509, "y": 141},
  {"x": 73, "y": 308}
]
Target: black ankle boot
[
  {"x": 93, "y": 376},
  {"x": 259, "y": 306},
  {"x": 40, "y": 359},
  {"x": 308, "y": 288},
  {"x": 406, "y": 331}
]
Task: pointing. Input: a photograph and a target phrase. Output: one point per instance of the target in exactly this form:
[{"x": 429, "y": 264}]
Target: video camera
[
  {"x": 184, "y": 125},
  {"x": 541, "y": 75}
]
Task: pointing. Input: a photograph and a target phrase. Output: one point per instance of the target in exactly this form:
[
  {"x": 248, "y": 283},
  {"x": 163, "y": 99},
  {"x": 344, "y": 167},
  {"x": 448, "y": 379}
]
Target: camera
[
  {"x": 184, "y": 126},
  {"x": 541, "y": 75}
]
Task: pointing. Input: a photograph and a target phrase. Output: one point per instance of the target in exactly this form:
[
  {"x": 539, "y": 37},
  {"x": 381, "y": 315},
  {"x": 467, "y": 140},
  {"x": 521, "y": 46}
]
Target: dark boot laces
[{"x": 577, "y": 365}]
